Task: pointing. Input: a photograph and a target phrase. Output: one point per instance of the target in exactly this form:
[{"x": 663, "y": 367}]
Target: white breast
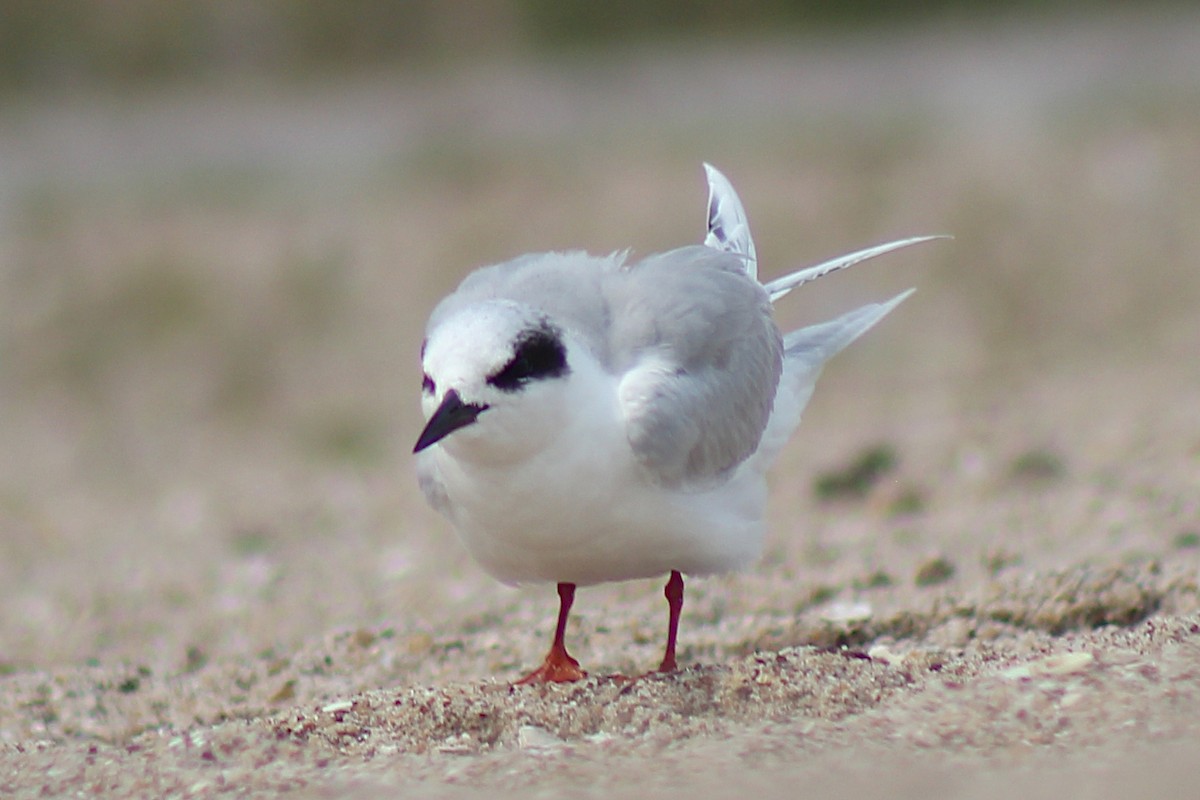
[{"x": 583, "y": 510}]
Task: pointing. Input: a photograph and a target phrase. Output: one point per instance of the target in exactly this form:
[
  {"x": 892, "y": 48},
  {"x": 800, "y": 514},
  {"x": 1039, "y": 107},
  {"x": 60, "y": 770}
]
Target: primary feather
[{"x": 781, "y": 286}]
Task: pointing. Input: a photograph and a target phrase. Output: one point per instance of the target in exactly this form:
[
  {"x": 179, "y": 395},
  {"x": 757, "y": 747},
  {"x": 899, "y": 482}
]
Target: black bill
[{"x": 451, "y": 415}]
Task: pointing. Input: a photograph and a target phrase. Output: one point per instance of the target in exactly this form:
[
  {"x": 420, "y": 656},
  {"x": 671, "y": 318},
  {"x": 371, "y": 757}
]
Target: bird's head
[{"x": 494, "y": 386}]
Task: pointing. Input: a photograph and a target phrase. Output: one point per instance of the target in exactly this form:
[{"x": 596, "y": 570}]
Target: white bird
[{"x": 591, "y": 420}]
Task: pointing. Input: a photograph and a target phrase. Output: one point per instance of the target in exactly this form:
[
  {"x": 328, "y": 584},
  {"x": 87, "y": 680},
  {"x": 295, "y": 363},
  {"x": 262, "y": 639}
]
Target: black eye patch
[
  {"x": 539, "y": 354},
  {"x": 427, "y": 384}
]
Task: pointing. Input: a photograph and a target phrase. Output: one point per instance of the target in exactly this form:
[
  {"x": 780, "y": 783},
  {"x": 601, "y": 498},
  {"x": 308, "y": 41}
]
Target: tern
[{"x": 589, "y": 419}]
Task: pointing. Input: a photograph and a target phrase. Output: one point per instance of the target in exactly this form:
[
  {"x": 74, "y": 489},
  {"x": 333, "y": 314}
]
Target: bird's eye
[
  {"x": 539, "y": 354},
  {"x": 427, "y": 384}
]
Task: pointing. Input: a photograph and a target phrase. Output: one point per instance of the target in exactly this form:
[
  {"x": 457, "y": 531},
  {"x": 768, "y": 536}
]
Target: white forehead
[{"x": 475, "y": 341}]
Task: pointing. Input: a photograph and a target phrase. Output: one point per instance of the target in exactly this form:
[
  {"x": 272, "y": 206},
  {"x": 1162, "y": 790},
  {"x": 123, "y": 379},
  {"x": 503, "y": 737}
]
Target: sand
[{"x": 217, "y": 576}]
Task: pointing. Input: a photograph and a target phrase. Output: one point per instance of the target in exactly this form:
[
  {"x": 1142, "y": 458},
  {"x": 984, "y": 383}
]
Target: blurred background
[{"x": 223, "y": 224}]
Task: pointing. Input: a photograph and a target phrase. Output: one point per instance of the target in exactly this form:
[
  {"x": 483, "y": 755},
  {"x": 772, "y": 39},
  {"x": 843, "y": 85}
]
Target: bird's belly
[{"x": 584, "y": 525}]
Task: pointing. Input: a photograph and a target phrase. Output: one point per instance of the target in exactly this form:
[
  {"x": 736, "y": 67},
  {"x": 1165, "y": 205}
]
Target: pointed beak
[{"x": 451, "y": 415}]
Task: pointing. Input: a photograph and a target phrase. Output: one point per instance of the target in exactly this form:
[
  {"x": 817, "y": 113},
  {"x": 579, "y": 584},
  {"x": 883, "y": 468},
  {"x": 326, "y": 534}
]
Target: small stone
[
  {"x": 1061, "y": 664},
  {"x": 340, "y": 705},
  {"x": 1017, "y": 673},
  {"x": 460, "y": 745},
  {"x": 882, "y": 654},
  {"x": 1064, "y": 664},
  {"x": 841, "y": 611},
  {"x": 532, "y": 737}
]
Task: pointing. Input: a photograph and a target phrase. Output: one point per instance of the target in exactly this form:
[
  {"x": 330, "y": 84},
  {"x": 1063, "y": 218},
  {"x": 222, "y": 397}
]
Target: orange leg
[
  {"x": 674, "y": 594},
  {"x": 558, "y": 667}
]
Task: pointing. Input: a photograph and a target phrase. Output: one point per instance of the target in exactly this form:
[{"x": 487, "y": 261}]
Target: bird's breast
[{"x": 592, "y": 517}]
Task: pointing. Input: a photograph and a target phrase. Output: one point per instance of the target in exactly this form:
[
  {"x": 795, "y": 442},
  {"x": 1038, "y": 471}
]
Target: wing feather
[
  {"x": 779, "y": 287},
  {"x": 728, "y": 226},
  {"x": 702, "y": 361}
]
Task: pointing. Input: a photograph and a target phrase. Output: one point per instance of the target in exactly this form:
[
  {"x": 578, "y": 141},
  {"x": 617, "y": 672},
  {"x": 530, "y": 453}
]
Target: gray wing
[{"x": 692, "y": 334}]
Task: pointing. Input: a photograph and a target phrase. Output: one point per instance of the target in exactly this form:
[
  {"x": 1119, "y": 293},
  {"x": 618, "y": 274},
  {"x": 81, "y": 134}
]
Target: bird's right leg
[{"x": 559, "y": 666}]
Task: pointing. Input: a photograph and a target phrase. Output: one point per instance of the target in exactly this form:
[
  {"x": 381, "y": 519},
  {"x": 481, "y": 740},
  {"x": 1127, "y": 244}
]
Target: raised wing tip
[
  {"x": 727, "y": 227},
  {"x": 719, "y": 188}
]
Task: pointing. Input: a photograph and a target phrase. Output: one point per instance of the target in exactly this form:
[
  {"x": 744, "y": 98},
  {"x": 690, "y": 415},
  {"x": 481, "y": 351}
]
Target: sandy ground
[{"x": 217, "y": 576}]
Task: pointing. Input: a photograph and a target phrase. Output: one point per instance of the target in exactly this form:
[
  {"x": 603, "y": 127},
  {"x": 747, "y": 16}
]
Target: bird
[{"x": 592, "y": 419}]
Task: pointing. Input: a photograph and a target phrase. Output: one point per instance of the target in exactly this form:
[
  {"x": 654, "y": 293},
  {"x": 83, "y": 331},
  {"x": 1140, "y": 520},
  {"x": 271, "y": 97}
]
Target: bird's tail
[
  {"x": 812, "y": 346},
  {"x": 805, "y": 352}
]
